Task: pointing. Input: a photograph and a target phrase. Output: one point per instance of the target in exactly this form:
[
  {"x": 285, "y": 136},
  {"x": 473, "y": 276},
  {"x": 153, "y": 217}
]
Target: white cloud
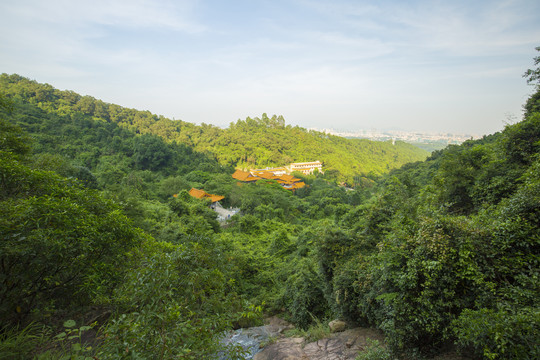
[
  {"x": 173, "y": 15},
  {"x": 387, "y": 61}
]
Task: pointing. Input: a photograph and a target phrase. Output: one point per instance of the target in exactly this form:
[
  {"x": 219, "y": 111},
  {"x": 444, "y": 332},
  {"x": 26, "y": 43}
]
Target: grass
[
  {"x": 16, "y": 343},
  {"x": 375, "y": 351},
  {"x": 315, "y": 332}
]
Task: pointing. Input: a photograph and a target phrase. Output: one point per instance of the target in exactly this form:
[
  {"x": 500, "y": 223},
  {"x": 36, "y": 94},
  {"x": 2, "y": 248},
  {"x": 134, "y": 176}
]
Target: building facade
[{"x": 306, "y": 168}]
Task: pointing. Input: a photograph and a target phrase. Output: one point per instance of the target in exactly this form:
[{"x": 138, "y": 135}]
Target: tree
[
  {"x": 58, "y": 240},
  {"x": 151, "y": 152},
  {"x": 13, "y": 139},
  {"x": 533, "y": 75}
]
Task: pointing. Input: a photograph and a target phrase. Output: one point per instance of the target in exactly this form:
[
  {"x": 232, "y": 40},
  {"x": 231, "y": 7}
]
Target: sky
[{"x": 431, "y": 66}]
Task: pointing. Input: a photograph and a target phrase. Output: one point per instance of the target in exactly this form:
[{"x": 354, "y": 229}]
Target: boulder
[
  {"x": 337, "y": 326},
  {"x": 341, "y": 346},
  {"x": 283, "y": 349},
  {"x": 277, "y": 324}
]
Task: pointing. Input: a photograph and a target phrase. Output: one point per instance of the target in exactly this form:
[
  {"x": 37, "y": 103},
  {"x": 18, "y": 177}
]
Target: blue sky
[{"x": 450, "y": 66}]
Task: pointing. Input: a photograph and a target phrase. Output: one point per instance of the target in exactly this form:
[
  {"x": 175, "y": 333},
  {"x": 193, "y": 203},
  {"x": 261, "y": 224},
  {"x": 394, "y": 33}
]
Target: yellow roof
[
  {"x": 267, "y": 175},
  {"x": 287, "y": 179},
  {"x": 201, "y": 194},
  {"x": 299, "y": 185},
  {"x": 244, "y": 176}
]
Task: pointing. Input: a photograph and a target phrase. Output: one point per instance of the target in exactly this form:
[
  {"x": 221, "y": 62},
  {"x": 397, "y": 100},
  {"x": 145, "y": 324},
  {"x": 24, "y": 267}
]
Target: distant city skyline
[
  {"x": 418, "y": 65},
  {"x": 407, "y": 136},
  {"x": 389, "y": 131}
]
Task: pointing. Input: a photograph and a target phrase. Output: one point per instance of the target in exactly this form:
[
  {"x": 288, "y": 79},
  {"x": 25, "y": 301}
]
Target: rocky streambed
[{"x": 268, "y": 343}]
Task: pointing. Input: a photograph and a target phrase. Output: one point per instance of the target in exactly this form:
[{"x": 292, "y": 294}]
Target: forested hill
[
  {"x": 438, "y": 254},
  {"x": 267, "y": 141},
  {"x": 257, "y": 142}
]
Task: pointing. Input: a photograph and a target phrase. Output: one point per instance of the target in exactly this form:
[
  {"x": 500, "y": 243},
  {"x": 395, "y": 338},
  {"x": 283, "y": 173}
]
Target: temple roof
[
  {"x": 244, "y": 176},
  {"x": 201, "y": 194}
]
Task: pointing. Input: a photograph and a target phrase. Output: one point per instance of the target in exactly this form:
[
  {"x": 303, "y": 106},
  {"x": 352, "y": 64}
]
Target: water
[{"x": 250, "y": 339}]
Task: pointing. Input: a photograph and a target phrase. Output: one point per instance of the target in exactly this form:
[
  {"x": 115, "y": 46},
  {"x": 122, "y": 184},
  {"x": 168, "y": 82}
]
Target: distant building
[
  {"x": 286, "y": 181},
  {"x": 276, "y": 171},
  {"x": 281, "y": 174},
  {"x": 201, "y": 194},
  {"x": 305, "y": 168},
  {"x": 245, "y": 176}
]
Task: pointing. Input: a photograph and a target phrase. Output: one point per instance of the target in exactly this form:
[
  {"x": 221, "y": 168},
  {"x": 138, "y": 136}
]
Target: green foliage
[
  {"x": 17, "y": 343},
  {"x": 304, "y": 294},
  {"x": 441, "y": 245},
  {"x": 457, "y": 173},
  {"x": 440, "y": 251},
  {"x": 13, "y": 139},
  {"x": 374, "y": 351},
  {"x": 71, "y": 343},
  {"x": 500, "y": 334},
  {"x": 58, "y": 239},
  {"x": 150, "y": 152},
  {"x": 63, "y": 167},
  {"x": 196, "y": 216},
  {"x": 174, "y": 304},
  {"x": 257, "y": 142},
  {"x": 532, "y": 105},
  {"x": 533, "y": 75},
  {"x": 315, "y": 332},
  {"x": 522, "y": 140}
]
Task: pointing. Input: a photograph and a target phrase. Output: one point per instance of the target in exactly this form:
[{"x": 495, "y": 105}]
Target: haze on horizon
[{"x": 430, "y": 66}]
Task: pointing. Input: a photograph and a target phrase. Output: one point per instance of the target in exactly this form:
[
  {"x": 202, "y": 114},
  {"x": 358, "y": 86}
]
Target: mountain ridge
[{"x": 250, "y": 143}]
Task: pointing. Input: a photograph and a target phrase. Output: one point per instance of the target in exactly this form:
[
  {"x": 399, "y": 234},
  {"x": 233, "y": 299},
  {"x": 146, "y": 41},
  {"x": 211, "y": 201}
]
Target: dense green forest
[
  {"x": 250, "y": 143},
  {"x": 98, "y": 259}
]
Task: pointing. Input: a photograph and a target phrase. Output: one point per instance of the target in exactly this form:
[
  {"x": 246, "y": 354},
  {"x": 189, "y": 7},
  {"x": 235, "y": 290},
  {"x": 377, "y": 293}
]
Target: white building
[{"x": 305, "y": 167}]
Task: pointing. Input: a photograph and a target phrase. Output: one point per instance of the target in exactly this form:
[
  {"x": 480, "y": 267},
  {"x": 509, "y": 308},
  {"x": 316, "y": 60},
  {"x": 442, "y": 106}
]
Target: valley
[{"x": 111, "y": 248}]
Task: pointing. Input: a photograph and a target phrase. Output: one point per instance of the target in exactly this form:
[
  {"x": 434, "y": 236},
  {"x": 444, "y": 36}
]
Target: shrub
[
  {"x": 58, "y": 240},
  {"x": 175, "y": 304},
  {"x": 304, "y": 296},
  {"x": 500, "y": 334},
  {"x": 375, "y": 351}
]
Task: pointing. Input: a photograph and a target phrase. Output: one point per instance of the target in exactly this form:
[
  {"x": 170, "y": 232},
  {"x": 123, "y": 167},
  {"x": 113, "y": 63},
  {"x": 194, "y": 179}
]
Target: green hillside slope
[
  {"x": 440, "y": 254},
  {"x": 257, "y": 142}
]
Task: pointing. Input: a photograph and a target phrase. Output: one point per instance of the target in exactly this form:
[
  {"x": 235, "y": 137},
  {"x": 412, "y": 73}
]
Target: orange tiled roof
[
  {"x": 201, "y": 194},
  {"x": 215, "y": 198},
  {"x": 287, "y": 179},
  {"x": 244, "y": 176},
  {"x": 267, "y": 175},
  {"x": 299, "y": 185},
  {"x": 196, "y": 193}
]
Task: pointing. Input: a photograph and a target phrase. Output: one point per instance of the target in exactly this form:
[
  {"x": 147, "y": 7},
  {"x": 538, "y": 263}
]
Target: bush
[
  {"x": 500, "y": 334},
  {"x": 16, "y": 343},
  {"x": 304, "y": 296},
  {"x": 374, "y": 351},
  {"x": 174, "y": 305},
  {"x": 58, "y": 240}
]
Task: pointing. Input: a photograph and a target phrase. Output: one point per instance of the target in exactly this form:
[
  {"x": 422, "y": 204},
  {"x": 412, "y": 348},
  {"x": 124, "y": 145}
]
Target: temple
[
  {"x": 201, "y": 194},
  {"x": 287, "y": 181}
]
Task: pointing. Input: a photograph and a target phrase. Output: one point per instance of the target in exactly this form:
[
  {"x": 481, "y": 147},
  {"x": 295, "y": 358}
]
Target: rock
[
  {"x": 337, "y": 326},
  {"x": 277, "y": 324},
  {"x": 283, "y": 349},
  {"x": 341, "y": 346},
  {"x": 250, "y": 339}
]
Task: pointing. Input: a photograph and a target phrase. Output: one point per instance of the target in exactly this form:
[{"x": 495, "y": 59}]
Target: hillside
[
  {"x": 250, "y": 143},
  {"x": 99, "y": 260}
]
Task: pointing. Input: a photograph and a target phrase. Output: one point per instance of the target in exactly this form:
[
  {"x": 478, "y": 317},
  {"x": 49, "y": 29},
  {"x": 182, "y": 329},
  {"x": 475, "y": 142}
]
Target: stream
[{"x": 252, "y": 339}]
